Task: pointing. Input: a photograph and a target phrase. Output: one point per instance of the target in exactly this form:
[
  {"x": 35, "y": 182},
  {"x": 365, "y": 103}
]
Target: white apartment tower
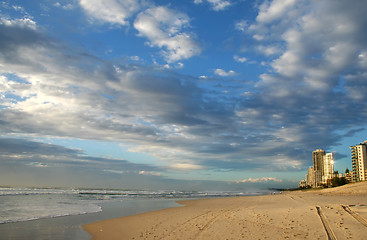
[
  {"x": 328, "y": 167},
  {"x": 359, "y": 162},
  {"x": 318, "y": 166},
  {"x": 322, "y": 170}
]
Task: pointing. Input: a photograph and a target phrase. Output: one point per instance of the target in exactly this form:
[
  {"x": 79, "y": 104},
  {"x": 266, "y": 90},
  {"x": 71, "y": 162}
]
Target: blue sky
[{"x": 196, "y": 94}]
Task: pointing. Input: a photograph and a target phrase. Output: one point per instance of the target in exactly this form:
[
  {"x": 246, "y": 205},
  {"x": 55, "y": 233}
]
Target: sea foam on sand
[{"x": 291, "y": 215}]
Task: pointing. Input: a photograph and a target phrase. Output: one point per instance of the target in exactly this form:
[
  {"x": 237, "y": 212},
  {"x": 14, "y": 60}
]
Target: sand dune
[
  {"x": 338, "y": 213},
  {"x": 359, "y": 188}
]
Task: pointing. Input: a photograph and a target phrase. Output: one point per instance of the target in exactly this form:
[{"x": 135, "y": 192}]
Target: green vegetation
[{"x": 336, "y": 181}]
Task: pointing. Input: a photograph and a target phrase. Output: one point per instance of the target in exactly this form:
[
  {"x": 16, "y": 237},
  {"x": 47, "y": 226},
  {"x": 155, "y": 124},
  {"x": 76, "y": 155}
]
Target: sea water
[
  {"x": 30, "y": 204},
  {"x": 31, "y": 213}
]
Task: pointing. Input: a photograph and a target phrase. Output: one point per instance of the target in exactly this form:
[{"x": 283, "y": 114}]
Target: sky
[{"x": 193, "y": 94}]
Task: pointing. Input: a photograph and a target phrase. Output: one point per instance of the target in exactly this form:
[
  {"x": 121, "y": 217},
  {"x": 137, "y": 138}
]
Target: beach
[
  {"x": 58, "y": 214},
  {"x": 337, "y": 213}
]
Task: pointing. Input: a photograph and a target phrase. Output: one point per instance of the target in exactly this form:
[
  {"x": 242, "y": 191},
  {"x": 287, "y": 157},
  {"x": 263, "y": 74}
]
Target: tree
[{"x": 336, "y": 181}]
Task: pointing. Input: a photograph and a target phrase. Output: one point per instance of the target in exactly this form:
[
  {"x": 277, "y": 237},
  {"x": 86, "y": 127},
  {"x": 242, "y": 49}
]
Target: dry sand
[{"x": 338, "y": 213}]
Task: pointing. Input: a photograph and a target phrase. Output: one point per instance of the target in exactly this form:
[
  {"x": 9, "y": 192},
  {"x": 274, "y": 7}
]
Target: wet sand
[
  {"x": 69, "y": 227},
  {"x": 338, "y": 213}
]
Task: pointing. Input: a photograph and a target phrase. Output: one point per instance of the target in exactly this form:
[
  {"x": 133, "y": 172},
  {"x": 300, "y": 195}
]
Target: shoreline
[
  {"x": 292, "y": 215},
  {"x": 70, "y": 226}
]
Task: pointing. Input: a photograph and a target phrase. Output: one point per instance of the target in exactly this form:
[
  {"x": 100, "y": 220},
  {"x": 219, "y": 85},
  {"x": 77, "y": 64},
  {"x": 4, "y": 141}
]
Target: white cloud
[
  {"x": 217, "y": 5},
  {"x": 186, "y": 166},
  {"x": 239, "y": 59},
  {"x": 271, "y": 11},
  {"x": 18, "y": 8},
  {"x": 22, "y": 22},
  {"x": 241, "y": 25},
  {"x": 135, "y": 58},
  {"x": 114, "y": 171},
  {"x": 269, "y": 50},
  {"x": 110, "y": 11},
  {"x": 164, "y": 29},
  {"x": 66, "y": 93},
  {"x": 179, "y": 65},
  {"x": 149, "y": 173},
  {"x": 261, "y": 180},
  {"x": 315, "y": 42},
  {"x": 224, "y": 73}
]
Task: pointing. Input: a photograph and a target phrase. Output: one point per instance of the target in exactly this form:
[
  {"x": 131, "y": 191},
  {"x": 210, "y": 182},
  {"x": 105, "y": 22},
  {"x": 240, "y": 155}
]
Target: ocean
[{"x": 40, "y": 214}]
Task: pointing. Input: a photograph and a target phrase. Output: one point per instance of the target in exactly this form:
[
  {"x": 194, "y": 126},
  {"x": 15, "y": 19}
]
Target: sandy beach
[{"x": 338, "y": 213}]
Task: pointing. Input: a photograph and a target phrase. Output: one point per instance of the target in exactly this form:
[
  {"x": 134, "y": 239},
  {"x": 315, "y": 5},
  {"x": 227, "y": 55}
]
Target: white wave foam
[{"x": 24, "y": 204}]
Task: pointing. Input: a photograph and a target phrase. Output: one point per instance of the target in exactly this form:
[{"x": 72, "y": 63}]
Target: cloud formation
[
  {"x": 261, "y": 180},
  {"x": 217, "y": 5},
  {"x": 164, "y": 29},
  {"x": 223, "y": 73},
  {"x": 239, "y": 59},
  {"x": 22, "y": 152},
  {"x": 309, "y": 65},
  {"x": 310, "y": 93},
  {"x": 110, "y": 11}
]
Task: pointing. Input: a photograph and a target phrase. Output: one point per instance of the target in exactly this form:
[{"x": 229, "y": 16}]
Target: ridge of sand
[
  {"x": 292, "y": 215},
  {"x": 359, "y": 188}
]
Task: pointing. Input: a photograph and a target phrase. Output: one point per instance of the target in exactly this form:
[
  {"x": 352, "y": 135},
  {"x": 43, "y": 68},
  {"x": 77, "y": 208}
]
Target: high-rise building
[
  {"x": 318, "y": 160},
  {"x": 328, "y": 167},
  {"x": 310, "y": 178},
  {"x": 349, "y": 176},
  {"x": 359, "y": 161},
  {"x": 322, "y": 170},
  {"x": 318, "y": 165}
]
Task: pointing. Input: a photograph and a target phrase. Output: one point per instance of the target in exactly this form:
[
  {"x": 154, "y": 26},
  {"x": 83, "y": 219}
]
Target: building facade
[
  {"x": 318, "y": 160},
  {"x": 328, "y": 168},
  {"x": 318, "y": 166},
  {"x": 349, "y": 176},
  {"x": 302, "y": 184},
  {"x": 322, "y": 170},
  {"x": 310, "y": 178},
  {"x": 359, "y": 162}
]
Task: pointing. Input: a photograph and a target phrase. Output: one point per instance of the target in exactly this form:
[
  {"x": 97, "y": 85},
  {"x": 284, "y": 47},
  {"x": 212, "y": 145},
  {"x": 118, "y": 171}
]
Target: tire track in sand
[
  {"x": 356, "y": 216},
  {"x": 213, "y": 220},
  {"x": 188, "y": 222},
  {"x": 329, "y": 232},
  {"x": 201, "y": 222}
]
